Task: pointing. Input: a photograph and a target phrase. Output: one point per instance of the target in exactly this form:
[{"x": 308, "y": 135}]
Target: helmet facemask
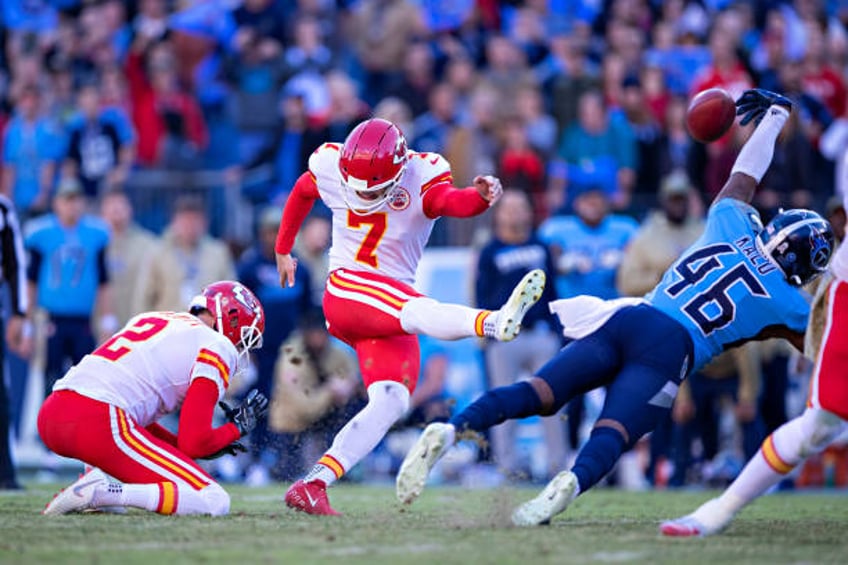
[{"x": 361, "y": 198}]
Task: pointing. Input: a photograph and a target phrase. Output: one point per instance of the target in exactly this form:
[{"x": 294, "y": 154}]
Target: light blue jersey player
[
  {"x": 737, "y": 283},
  {"x": 724, "y": 290}
]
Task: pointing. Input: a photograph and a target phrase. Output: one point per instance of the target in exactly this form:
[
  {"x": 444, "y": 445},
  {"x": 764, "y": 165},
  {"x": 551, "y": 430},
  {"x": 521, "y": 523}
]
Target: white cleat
[
  {"x": 524, "y": 295},
  {"x": 709, "y": 519},
  {"x": 555, "y": 498},
  {"x": 428, "y": 449},
  {"x": 79, "y": 496}
]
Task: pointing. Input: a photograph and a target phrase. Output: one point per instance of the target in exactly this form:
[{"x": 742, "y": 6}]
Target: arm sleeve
[
  {"x": 196, "y": 436},
  {"x": 298, "y": 205},
  {"x": 161, "y": 432},
  {"x": 447, "y": 200},
  {"x": 14, "y": 260}
]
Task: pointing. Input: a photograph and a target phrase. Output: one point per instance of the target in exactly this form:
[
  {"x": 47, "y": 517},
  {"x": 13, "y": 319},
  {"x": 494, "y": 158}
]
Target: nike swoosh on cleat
[
  {"x": 78, "y": 488},
  {"x": 426, "y": 451},
  {"x": 312, "y": 501}
]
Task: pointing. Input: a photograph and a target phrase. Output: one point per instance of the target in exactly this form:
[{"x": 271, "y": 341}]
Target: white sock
[
  {"x": 781, "y": 452},
  {"x": 755, "y": 157},
  {"x": 165, "y": 498},
  {"x": 388, "y": 401},
  {"x": 445, "y": 321}
]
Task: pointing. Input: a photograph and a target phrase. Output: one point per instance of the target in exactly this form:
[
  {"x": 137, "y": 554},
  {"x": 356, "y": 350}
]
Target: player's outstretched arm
[
  {"x": 447, "y": 200},
  {"x": 769, "y": 111},
  {"x": 299, "y": 203}
]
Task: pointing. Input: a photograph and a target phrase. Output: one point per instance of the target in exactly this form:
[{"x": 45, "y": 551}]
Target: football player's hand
[
  {"x": 233, "y": 449},
  {"x": 247, "y": 414},
  {"x": 488, "y": 187},
  {"x": 754, "y": 102},
  {"x": 286, "y": 266}
]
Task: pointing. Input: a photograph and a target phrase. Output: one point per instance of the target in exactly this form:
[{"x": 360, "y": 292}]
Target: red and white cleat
[
  {"x": 709, "y": 519},
  {"x": 79, "y": 496},
  {"x": 685, "y": 527},
  {"x": 311, "y": 498}
]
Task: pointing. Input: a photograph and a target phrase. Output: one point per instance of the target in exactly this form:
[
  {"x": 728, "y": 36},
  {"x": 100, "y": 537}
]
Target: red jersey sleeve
[
  {"x": 299, "y": 203},
  {"x": 196, "y": 437},
  {"x": 446, "y": 200}
]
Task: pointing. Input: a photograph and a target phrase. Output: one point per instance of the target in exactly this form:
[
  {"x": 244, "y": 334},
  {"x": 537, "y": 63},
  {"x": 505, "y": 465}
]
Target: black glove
[
  {"x": 233, "y": 449},
  {"x": 247, "y": 414},
  {"x": 754, "y": 103}
]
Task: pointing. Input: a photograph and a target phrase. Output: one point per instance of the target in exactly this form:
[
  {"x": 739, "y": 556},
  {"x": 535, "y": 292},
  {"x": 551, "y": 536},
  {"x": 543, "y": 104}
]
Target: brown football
[{"x": 710, "y": 114}]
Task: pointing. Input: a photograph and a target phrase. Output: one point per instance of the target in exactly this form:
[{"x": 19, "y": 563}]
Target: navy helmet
[{"x": 800, "y": 242}]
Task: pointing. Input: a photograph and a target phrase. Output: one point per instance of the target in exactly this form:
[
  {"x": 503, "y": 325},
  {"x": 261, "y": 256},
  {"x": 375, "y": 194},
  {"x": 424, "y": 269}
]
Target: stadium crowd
[{"x": 183, "y": 125}]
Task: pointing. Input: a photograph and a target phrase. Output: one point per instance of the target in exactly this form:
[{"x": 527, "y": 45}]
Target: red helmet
[
  {"x": 371, "y": 163},
  {"x": 238, "y": 314}
]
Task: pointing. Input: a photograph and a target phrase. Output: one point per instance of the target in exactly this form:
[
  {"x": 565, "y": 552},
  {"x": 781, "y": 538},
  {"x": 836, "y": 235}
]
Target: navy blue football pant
[
  {"x": 640, "y": 355},
  {"x": 69, "y": 339}
]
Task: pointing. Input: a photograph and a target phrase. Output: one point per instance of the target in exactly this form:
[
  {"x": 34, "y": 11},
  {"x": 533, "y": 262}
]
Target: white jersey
[
  {"x": 147, "y": 367},
  {"x": 390, "y": 240}
]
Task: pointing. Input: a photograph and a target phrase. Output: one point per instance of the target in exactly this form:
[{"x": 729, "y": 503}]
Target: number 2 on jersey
[
  {"x": 367, "y": 252},
  {"x": 117, "y": 346}
]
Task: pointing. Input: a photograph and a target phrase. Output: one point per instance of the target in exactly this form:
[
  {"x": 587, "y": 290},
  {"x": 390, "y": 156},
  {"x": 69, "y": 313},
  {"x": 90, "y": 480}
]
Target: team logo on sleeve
[{"x": 400, "y": 199}]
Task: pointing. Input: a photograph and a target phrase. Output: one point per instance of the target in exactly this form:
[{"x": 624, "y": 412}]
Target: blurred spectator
[
  {"x": 506, "y": 69},
  {"x": 13, "y": 274},
  {"x": 151, "y": 22},
  {"x": 677, "y": 143},
  {"x": 541, "y": 127},
  {"x": 316, "y": 391},
  {"x": 588, "y": 247},
  {"x": 598, "y": 152},
  {"x": 32, "y": 146},
  {"x": 660, "y": 239},
  {"x": 567, "y": 75},
  {"x": 417, "y": 80},
  {"x": 725, "y": 70},
  {"x": 818, "y": 78},
  {"x": 97, "y": 154},
  {"x": 513, "y": 251},
  {"x": 312, "y": 250},
  {"x": 381, "y": 32},
  {"x": 649, "y": 144},
  {"x": 68, "y": 278},
  {"x": 308, "y": 53},
  {"x": 433, "y": 128},
  {"x": 288, "y": 150},
  {"x": 396, "y": 111},
  {"x": 129, "y": 252},
  {"x": 521, "y": 167},
  {"x": 346, "y": 108},
  {"x": 171, "y": 129},
  {"x": 461, "y": 74},
  {"x": 185, "y": 260},
  {"x": 257, "y": 72}
]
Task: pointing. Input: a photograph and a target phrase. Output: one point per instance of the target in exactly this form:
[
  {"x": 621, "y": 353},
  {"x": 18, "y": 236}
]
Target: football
[{"x": 710, "y": 114}]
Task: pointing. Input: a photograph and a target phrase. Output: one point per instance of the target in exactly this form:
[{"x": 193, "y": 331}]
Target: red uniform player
[
  {"x": 104, "y": 410},
  {"x": 385, "y": 199}
]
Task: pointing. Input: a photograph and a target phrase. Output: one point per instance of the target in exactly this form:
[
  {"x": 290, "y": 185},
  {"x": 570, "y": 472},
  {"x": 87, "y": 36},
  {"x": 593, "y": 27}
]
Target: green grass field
[{"x": 446, "y": 525}]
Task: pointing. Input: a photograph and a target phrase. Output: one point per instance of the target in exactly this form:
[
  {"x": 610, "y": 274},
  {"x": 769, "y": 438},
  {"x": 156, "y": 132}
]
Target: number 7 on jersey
[{"x": 367, "y": 252}]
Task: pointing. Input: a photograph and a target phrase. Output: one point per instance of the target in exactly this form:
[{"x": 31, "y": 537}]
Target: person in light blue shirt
[
  {"x": 588, "y": 246},
  {"x": 739, "y": 282},
  {"x": 32, "y": 146},
  {"x": 68, "y": 276}
]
